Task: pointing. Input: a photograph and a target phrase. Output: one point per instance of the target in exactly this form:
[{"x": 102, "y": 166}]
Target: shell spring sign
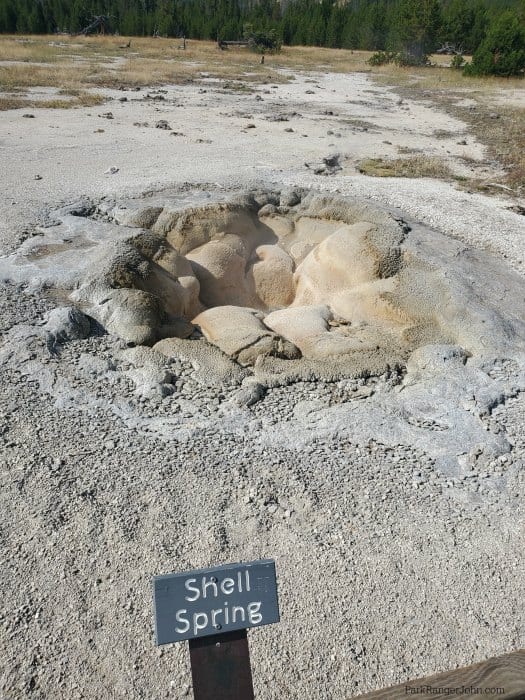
[{"x": 215, "y": 601}]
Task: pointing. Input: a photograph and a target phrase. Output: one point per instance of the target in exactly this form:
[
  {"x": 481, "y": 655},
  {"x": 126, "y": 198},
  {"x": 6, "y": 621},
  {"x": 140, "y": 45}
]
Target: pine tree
[
  {"x": 502, "y": 52},
  {"x": 464, "y": 24},
  {"x": 416, "y": 28},
  {"x": 7, "y": 16}
]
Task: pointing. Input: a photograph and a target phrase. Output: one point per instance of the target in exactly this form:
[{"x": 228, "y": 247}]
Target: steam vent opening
[{"x": 296, "y": 279}]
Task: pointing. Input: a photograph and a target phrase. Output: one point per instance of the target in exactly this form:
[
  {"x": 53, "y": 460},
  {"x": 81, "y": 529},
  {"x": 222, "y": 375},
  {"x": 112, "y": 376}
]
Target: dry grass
[
  {"x": 415, "y": 166},
  {"x": 311, "y": 58},
  {"x": 438, "y": 76},
  {"x": 153, "y": 61},
  {"x": 34, "y": 50},
  {"x": 13, "y": 102},
  {"x": 84, "y": 99},
  {"x": 18, "y": 76},
  {"x": 503, "y": 131},
  {"x": 100, "y": 61},
  {"x": 504, "y": 135},
  {"x": 81, "y": 63}
]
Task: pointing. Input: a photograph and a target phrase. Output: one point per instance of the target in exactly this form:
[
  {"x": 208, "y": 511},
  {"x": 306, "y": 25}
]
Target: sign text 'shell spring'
[{"x": 211, "y": 601}]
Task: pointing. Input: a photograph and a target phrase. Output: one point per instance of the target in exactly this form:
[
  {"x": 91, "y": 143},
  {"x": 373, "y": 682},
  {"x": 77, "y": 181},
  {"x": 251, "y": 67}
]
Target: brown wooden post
[{"x": 220, "y": 667}]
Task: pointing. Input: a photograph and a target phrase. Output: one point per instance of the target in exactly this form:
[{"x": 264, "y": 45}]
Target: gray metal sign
[{"x": 213, "y": 601}]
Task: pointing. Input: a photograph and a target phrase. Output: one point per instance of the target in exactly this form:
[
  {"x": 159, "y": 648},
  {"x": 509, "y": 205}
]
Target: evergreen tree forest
[{"x": 351, "y": 24}]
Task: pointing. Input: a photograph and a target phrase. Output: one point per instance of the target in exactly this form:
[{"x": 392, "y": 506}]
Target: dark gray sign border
[{"x": 160, "y": 606}]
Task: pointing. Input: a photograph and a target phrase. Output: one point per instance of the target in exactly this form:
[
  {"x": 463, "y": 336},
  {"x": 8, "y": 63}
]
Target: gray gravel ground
[{"x": 388, "y": 568}]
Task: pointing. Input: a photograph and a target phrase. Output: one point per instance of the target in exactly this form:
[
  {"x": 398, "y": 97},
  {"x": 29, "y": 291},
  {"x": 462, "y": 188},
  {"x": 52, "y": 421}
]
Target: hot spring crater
[
  {"x": 257, "y": 291},
  {"x": 298, "y": 282}
]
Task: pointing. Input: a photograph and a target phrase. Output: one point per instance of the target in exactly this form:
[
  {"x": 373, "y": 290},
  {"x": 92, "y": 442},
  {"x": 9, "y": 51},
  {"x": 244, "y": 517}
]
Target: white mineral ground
[{"x": 393, "y": 504}]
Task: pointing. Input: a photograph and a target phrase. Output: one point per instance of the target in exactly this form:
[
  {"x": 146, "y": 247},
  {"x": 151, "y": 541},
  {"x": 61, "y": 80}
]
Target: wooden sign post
[
  {"x": 213, "y": 608},
  {"x": 220, "y": 667}
]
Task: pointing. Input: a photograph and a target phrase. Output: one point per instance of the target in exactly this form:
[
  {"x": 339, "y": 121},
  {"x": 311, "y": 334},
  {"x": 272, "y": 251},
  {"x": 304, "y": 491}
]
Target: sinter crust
[{"x": 307, "y": 285}]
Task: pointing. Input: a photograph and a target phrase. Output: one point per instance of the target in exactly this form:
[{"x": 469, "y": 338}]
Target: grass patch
[
  {"x": 446, "y": 88},
  {"x": 13, "y": 102},
  {"x": 502, "y": 129},
  {"x": 82, "y": 99},
  {"x": 50, "y": 48},
  {"x": 439, "y": 76},
  {"x": 34, "y": 50},
  {"x": 18, "y": 76},
  {"x": 313, "y": 58},
  {"x": 102, "y": 61},
  {"x": 415, "y": 166},
  {"x": 81, "y": 63}
]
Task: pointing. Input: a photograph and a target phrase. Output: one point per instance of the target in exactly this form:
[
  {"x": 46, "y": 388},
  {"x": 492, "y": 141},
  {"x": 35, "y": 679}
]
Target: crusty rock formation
[
  {"x": 240, "y": 333},
  {"x": 339, "y": 285}
]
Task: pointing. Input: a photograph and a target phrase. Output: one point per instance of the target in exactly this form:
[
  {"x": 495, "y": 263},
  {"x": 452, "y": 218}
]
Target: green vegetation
[
  {"x": 415, "y": 166},
  {"x": 458, "y": 62},
  {"x": 381, "y": 58},
  {"x": 413, "y": 28},
  {"x": 262, "y": 41},
  {"x": 502, "y": 51},
  {"x": 400, "y": 58}
]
